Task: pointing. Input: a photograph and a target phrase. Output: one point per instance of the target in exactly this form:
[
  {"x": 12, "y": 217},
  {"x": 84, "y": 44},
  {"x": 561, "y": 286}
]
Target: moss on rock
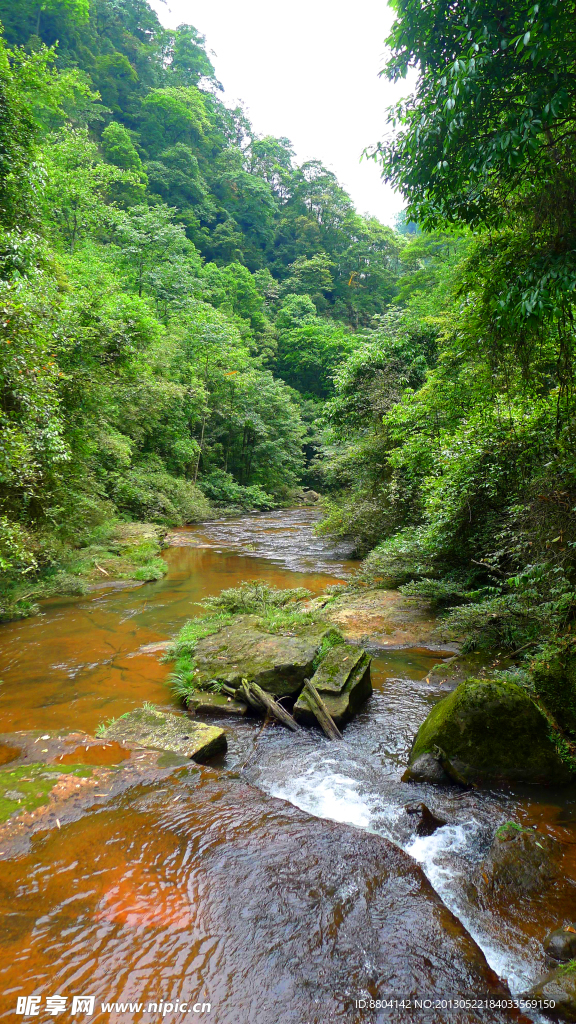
[
  {"x": 491, "y": 730},
  {"x": 27, "y": 787},
  {"x": 554, "y": 674},
  {"x": 342, "y": 680},
  {"x": 243, "y": 649},
  {"x": 149, "y": 727}
]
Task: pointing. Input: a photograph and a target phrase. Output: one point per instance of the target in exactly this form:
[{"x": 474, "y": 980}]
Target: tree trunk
[
  {"x": 201, "y": 446},
  {"x": 273, "y": 707}
]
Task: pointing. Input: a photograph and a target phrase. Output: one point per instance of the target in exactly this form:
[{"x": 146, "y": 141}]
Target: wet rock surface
[
  {"x": 146, "y": 727},
  {"x": 560, "y": 944},
  {"x": 520, "y": 860},
  {"x": 453, "y": 671},
  {"x": 559, "y": 987},
  {"x": 491, "y": 731},
  {"x": 386, "y": 619},
  {"x": 269, "y": 913},
  {"x": 343, "y": 682},
  {"x": 203, "y": 703},
  {"x": 427, "y": 768},
  {"x": 77, "y": 774},
  {"x": 425, "y": 820}
]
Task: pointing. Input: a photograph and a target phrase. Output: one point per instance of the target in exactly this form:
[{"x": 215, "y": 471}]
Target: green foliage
[
  {"x": 493, "y": 101},
  {"x": 437, "y": 593},
  {"x": 195, "y": 630},
  {"x": 255, "y": 598},
  {"x": 149, "y": 492},
  {"x": 118, "y": 148},
  {"x": 224, "y": 492},
  {"x": 509, "y": 826}
]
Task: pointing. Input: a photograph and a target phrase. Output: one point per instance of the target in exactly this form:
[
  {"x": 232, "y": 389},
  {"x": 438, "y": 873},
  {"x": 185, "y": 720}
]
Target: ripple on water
[{"x": 210, "y": 890}]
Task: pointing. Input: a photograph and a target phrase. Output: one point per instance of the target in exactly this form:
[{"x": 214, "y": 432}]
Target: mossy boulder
[
  {"x": 148, "y": 727},
  {"x": 342, "y": 680},
  {"x": 491, "y": 731},
  {"x": 278, "y": 661}
]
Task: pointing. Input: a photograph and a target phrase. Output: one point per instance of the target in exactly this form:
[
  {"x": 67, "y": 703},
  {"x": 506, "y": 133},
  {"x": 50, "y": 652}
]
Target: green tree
[
  {"x": 119, "y": 149},
  {"x": 160, "y": 258},
  {"x": 81, "y": 187}
]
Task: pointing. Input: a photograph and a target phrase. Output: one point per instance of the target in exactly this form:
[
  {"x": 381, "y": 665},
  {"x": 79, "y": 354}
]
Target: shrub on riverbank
[{"x": 114, "y": 551}]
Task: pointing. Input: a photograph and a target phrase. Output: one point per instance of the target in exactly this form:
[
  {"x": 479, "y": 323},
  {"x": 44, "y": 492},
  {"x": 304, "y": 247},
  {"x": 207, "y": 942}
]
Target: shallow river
[{"x": 190, "y": 886}]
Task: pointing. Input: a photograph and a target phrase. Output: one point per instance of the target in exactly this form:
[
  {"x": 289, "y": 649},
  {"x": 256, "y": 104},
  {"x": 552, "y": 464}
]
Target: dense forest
[{"x": 192, "y": 322}]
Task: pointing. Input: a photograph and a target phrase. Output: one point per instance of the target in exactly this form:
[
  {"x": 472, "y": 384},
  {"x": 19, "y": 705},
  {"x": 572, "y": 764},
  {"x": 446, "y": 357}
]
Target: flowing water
[{"x": 202, "y": 885}]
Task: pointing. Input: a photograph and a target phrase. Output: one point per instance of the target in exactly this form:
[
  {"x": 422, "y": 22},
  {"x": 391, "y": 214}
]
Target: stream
[{"x": 188, "y": 885}]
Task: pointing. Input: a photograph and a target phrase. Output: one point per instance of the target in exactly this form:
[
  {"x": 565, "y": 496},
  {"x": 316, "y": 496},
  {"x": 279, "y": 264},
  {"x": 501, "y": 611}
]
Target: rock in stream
[
  {"x": 491, "y": 731},
  {"x": 149, "y": 727}
]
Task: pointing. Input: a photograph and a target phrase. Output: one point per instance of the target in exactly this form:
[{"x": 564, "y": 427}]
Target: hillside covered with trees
[
  {"x": 176, "y": 291},
  {"x": 192, "y": 321}
]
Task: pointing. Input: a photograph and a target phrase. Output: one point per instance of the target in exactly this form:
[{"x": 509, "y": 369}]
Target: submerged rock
[
  {"x": 560, "y": 944},
  {"x": 455, "y": 670},
  {"x": 427, "y": 821},
  {"x": 559, "y": 988},
  {"x": 147, "y": 727},
  {"x": 520, "y": 860},
  {"x": 343, "y": 682},
  {"x": 277, "y": 662},
  {"x": 28, "y": 787},
  {"x": 490, "y": 731}
]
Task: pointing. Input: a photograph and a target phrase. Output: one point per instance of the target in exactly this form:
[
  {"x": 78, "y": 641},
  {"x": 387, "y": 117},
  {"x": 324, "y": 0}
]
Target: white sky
[{"x": 307, "y": 70}]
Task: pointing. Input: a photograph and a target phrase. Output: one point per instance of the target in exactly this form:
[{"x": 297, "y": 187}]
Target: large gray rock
[
  {"x": 557, "y": 987},
  {"x": 279, "y": 663},
  {"x": 491, "y": 731},
  {"x": 342, "y": 680},
  {"x": 146, "y": 727}
]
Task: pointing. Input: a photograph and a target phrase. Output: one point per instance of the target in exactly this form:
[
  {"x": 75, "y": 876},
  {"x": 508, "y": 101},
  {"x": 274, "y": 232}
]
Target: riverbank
[{"x": 117, "y": 551}]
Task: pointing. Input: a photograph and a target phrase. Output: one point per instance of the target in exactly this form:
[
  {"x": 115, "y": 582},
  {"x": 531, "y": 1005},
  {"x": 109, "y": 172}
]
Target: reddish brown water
[
  {"x": 80, "y": 661},
  {"x": 204, "y": 887}
]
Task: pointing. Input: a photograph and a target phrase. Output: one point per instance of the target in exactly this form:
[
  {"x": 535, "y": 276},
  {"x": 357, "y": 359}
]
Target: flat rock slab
[
  {"x": 152, "y": 728},
  {"x": 41, "y": 796},
  {"x": 387, "y": 619},
  {"x": 203, "y": 703},
  {"x": 35, "y": 746},
  {"x": 342, "y": 680},
  {"x": 279, "y": 663}
]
